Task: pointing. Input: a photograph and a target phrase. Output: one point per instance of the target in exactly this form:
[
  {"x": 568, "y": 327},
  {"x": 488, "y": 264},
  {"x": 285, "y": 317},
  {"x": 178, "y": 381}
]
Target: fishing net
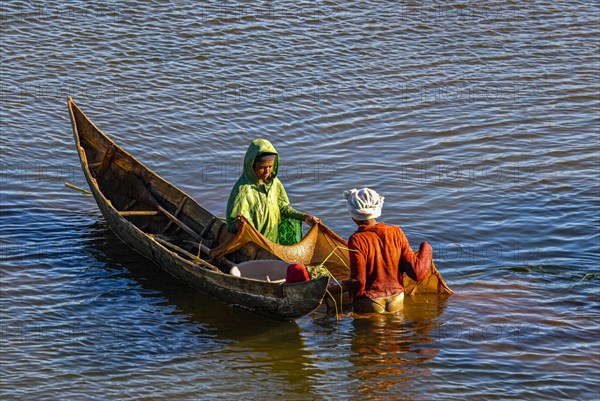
[
  {"x": 312, "y": 250},
  {"x": 321, "y": 246}
]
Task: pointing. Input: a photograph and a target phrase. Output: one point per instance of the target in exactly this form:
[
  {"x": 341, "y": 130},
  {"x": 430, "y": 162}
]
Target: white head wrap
[{"x": 364, "y": 204}]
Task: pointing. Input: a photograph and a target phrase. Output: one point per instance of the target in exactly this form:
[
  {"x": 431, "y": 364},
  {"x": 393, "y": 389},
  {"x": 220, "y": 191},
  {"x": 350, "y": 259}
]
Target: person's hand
[
  {"x": 238, "y": 222},
  {"x": 346, "y": 285},
  {"x": 311, "y": 220},
  {"x": 425, "y": 249}
]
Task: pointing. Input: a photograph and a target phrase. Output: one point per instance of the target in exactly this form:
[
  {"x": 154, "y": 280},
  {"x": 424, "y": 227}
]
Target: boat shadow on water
[
  {"x": 233, "y": 323},
  {"x": 276, "y": 344}
]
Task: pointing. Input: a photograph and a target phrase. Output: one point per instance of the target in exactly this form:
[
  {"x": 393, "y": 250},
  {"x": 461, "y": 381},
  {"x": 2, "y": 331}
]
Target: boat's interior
[{"x": 156, "y": 207}]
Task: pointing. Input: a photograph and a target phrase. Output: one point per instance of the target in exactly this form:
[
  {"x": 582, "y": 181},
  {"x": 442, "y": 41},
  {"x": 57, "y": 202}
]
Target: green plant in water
[
  {"x": 589, "y": 276},
  {"x": 586, "y": 277}
]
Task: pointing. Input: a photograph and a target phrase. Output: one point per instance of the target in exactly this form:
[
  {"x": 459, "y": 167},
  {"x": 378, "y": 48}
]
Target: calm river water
[{"x": 479, "y": 122}]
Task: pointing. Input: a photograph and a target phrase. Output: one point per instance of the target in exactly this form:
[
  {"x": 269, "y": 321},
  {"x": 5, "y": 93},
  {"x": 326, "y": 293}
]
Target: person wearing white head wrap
[
  {"x": 364, "y": 204},
  {"x": 380, "y": 255}
]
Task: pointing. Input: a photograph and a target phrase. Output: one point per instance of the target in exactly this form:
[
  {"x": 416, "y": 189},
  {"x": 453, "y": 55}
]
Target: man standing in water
[
  {"x": 381, "y": 254},
  {"x": 259, "y": 196}
]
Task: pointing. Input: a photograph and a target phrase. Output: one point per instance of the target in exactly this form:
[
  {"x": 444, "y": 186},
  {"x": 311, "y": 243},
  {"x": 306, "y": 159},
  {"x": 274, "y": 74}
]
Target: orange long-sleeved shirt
[{"x": 383, "y": 255}]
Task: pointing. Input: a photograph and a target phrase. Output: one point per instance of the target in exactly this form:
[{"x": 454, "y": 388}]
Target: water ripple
[{"x": 478, "y": 122}]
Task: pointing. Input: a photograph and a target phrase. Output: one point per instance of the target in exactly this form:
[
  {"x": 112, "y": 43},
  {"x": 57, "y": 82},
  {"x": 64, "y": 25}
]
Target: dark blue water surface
[{"x": 478, "y": 121}]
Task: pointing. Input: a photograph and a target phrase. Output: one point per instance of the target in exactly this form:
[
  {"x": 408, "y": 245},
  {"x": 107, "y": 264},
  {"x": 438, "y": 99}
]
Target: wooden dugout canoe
[{"x": 158, "y": 220}]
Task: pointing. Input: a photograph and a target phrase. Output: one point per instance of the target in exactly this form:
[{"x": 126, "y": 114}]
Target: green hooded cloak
[{"x": 266, "y": 206}]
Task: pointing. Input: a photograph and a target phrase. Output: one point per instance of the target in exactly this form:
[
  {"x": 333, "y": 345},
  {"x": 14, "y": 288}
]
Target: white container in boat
[{"x": 263, "y": 269}]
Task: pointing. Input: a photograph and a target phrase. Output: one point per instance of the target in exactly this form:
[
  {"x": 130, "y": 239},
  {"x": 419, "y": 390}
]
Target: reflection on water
[
  {"x": 278, "y": 346},
  {"x": 388, "y": 351}
]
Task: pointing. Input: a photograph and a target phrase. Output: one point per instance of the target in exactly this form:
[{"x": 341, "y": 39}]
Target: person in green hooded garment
[{"x": 259, "y": 196}]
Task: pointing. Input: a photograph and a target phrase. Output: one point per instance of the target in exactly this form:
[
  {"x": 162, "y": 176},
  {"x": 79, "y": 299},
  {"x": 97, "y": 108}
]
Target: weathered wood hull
[{"x": 272, "y": 300}]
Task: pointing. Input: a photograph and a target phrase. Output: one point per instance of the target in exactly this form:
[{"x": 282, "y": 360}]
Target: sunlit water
[{"x": 477, "y": 120}]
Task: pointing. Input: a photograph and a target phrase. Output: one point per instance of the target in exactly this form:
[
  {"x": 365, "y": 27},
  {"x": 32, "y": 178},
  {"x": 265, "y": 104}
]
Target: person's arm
[
  {"x": 416, "y": 267},
  {"x": 358, "y": 270},
  {"x": 291, "y": 213},
  {"x": 237, "y": 205},
  {"x": 287, "y": 211}
]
